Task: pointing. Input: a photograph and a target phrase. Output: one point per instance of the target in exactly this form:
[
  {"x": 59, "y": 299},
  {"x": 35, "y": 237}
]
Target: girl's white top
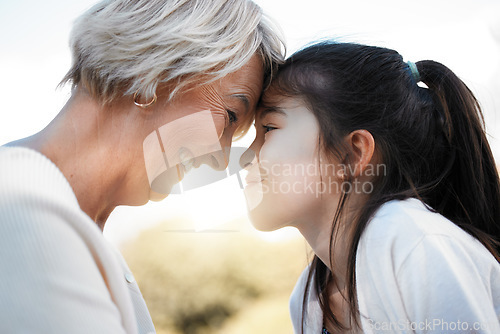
[
  {"x": 416, "y": 272},
  {"x": 57, "y": 272}
]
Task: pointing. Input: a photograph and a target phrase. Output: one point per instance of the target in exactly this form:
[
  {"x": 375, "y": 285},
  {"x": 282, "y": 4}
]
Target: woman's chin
[{"x": 156, "y": 197}]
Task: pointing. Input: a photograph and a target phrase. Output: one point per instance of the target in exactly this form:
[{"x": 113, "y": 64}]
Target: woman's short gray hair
[{"x": 121, "y": 47}]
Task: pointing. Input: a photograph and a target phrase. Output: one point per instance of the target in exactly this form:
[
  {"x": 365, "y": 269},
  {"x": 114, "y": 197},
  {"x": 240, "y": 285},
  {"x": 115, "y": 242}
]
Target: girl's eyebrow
[{"x": 269, "y": 110}]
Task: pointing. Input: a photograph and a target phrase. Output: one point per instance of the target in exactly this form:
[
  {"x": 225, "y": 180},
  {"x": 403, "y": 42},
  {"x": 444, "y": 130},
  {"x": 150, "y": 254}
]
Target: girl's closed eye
[{"x": 268, "y": 128}]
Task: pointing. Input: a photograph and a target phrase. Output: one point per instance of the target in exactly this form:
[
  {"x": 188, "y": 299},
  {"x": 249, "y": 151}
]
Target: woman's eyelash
[
  {"x": 268, "y": 128},
  {"x": 233, "y": 118}
]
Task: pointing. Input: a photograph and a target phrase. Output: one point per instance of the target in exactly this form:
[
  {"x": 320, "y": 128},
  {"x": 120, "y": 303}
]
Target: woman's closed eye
[{"x": 232, "y": 117}]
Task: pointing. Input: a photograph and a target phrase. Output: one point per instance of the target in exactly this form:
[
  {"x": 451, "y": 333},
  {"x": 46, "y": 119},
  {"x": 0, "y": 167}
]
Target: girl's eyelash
[
  {"x": 233, "y": 118},
  {"x": 268, "y": 128}
]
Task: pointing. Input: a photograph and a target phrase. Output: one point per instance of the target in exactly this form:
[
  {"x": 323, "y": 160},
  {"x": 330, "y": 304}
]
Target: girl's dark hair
[{"x": 431, "y": 141}]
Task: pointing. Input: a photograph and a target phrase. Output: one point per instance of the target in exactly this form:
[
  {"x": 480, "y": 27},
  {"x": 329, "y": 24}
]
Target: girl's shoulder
[
  {"x": 401, "y": 228},
  {"x": 409, "y": 220},
  {"x": 313, "y": 321},
  {"x": 415, "y": 265}
]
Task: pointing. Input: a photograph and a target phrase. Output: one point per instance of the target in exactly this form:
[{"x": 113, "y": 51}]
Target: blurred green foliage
[{"x": 216, "y": 281}]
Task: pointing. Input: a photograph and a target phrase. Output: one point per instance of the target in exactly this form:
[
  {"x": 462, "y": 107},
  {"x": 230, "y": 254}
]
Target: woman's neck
[{"x": 72, "y": 141}]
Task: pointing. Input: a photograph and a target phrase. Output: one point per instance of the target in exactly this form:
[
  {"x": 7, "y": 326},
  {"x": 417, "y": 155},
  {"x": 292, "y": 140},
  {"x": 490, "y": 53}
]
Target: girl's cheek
[
  {"x": 270, "y": 160},
  {"x": 264, "y": 153}
]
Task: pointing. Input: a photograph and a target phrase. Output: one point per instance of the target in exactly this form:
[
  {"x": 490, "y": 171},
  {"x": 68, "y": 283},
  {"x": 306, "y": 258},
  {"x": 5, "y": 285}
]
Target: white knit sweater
[{"x": 57, "y": 272}]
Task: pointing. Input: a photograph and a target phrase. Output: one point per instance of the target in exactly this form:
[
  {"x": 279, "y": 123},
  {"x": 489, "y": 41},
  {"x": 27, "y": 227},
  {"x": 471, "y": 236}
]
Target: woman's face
[
  {"x": 197, "y": 127},
  {"x": 285, "y": 184}
]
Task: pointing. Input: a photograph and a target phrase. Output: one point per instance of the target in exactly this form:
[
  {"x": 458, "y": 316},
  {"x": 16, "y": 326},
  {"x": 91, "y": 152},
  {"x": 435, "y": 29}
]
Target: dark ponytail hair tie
[{"x": 414, "y": 71}]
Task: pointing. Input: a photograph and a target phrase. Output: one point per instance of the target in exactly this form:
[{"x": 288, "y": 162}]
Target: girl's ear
[{"x": 361, "y": 146}]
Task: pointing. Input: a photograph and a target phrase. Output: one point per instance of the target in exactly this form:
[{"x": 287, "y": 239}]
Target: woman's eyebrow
[
  {"x": 243, "y": 98},
  {"x": 270, "y": 110}
]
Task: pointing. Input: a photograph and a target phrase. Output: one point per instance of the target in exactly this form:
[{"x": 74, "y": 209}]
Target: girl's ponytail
[{"x": 468, "y": 189}]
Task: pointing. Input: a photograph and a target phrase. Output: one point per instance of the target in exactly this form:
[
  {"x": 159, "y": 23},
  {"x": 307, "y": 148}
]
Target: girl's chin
[
  {"x": 264, "y": 228},
  {"x": 263, "y": 222}
]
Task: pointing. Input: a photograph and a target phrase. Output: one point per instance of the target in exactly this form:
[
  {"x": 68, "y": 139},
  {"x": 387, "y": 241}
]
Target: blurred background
[{"x": 201, "y": 266}]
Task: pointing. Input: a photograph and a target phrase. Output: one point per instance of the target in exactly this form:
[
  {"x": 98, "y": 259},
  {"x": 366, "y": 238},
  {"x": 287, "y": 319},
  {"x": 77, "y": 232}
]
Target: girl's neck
[{"x": 318, "y": 234}]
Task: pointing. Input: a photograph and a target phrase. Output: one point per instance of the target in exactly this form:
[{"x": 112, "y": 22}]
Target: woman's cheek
[{"x": 219, "y": 119}]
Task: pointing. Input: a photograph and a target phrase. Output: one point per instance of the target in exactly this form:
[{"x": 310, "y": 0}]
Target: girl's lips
[
  {"x": 253, "y": 181},
  {"x": 254, "y": 174}
]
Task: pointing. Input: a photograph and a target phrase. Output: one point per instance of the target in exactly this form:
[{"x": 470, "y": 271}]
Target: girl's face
[{"x": 288, "y": 183}]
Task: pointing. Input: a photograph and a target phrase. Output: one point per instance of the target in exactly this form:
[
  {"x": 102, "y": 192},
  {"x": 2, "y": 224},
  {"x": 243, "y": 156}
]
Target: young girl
[{"x": 385, "y": 169}]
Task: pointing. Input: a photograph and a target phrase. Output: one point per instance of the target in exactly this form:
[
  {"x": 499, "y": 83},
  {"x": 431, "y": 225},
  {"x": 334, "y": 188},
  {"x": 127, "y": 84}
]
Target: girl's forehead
[{"x": 273, "y": 97}]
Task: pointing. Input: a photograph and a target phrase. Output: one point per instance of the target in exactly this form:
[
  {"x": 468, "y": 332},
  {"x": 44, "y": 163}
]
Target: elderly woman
[{"x": 159, "y": 86}]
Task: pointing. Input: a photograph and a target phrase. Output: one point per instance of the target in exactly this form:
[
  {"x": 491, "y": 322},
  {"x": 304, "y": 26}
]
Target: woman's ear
[{"x": 361, "y": 146}]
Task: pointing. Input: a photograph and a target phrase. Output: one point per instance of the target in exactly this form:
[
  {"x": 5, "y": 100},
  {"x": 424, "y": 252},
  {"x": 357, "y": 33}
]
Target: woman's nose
[
  {"x": 219, "y": 159},
  {"x": 249, "y": 157}
]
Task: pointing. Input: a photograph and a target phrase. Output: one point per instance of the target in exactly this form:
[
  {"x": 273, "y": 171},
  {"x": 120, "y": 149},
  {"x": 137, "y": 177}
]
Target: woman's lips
[{"x": 187, "y": 159}]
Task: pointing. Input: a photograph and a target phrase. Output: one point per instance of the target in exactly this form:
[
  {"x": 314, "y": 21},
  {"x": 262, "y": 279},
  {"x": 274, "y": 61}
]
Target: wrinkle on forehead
[
  {"x": 247, "y": 81},
  {"x": 211, "y": 94}
]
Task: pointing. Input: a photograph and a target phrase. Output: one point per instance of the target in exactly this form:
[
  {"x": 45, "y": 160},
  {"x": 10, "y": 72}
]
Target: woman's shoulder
[
  {"x": 26, "y": 172},
  {"x": 39, "y": 207},
  {"x": 52, "y": 252}
]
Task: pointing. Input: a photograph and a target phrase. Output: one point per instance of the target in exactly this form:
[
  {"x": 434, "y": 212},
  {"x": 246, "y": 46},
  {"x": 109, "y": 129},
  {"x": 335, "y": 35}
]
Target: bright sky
[{"x": 464, "y": 35}]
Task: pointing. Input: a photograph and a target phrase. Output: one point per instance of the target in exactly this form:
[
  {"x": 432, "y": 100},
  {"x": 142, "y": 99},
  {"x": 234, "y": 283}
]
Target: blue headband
[{"x": 414, "y": 71}]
